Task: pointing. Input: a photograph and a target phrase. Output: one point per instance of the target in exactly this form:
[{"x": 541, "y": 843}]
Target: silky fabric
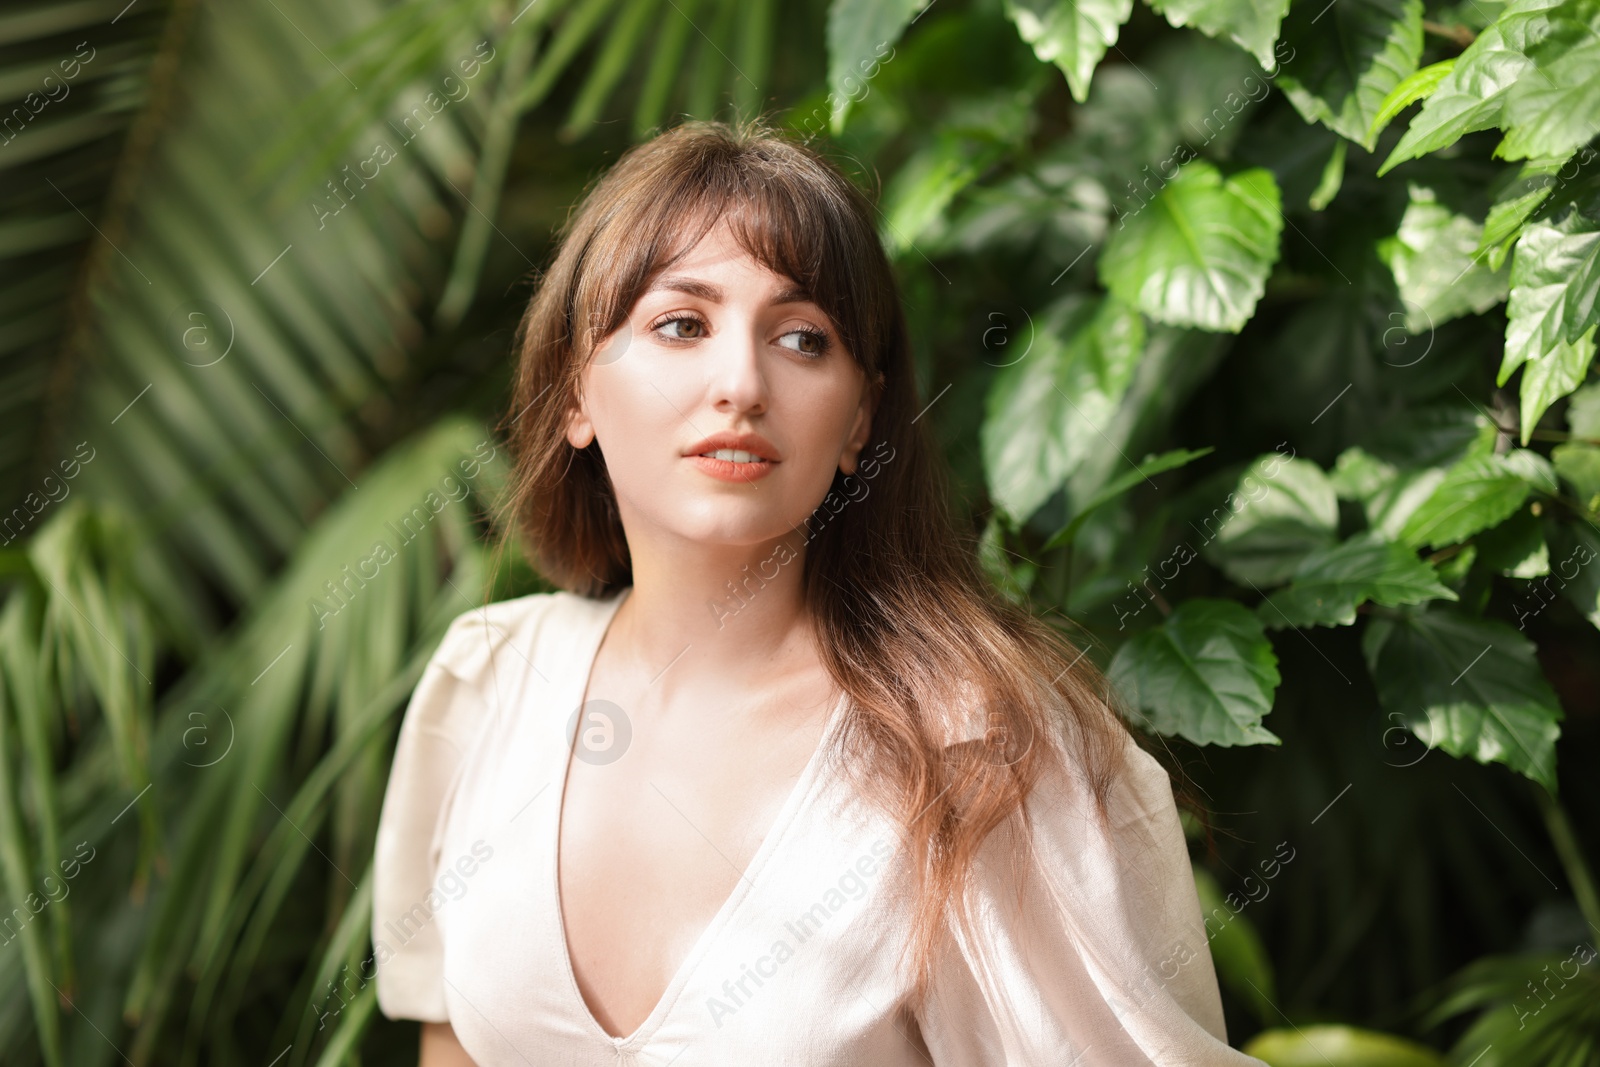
[{"x": 1102, "y": 961}]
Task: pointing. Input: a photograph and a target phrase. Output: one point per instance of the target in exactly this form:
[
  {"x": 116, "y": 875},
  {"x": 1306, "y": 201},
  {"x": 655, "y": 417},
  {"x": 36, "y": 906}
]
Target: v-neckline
[{"x": 801, "y": 791}]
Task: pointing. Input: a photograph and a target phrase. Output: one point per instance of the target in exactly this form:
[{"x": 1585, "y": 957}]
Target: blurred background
[{"x": 1258, "y": 334}]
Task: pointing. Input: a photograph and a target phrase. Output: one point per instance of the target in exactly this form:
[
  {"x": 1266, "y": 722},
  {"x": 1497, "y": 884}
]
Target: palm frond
[{"x": 73, "y": 80}]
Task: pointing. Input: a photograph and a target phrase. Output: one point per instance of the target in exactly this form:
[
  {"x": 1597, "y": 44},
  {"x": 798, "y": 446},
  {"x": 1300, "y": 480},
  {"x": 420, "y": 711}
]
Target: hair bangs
[{"x": 798, "y": 228}]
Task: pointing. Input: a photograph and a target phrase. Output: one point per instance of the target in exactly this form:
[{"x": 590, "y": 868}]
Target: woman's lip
[
  {"x": 741, "y": 442},
  {"x": 725, "y": 470}
]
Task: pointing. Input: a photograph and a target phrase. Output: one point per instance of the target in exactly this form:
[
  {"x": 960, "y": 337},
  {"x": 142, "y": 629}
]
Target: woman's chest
[
  {"x": 810, "y": 933},
  {"x": 653, "y": 844}
]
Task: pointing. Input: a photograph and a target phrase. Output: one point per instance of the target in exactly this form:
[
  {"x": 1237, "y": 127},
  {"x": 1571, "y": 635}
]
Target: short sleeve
[
  {"x": 446, "y": 713},
  {"x": 1104, "y": 962}
]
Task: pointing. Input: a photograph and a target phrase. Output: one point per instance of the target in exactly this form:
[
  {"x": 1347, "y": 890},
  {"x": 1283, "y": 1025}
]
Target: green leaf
[
  {"x": 1583, "y": 412},
  {"x": 1072, "y": 34},
  {"x": 1516, "y": 548},
  {"x": 1555, "y": 279},
  {"x": 1419, "y": 86},
  {"x": 345, "y": 1040},
  {"x": 1579, "y": 464},
  {"x": 927, "y": 183},
  {"x": 1561, "y": 1028},
  {"x": 615, "y": 58},
  {"x": 1391, "y": 492},
  {"x": 1475, "y": 494},
  {"x": 1433, "y": 257},
  {"x": 1472, "y": 94},
  {"x": 1329, "y": 1045},
  {"x": 1251, "y": 24},
  {"x": 1241, "y": 959},
  {"x": 1207, "y": 673},
  {"x": 1467, "y": 685},
  {"x": 1331, "y": 582},
  {"x": 1553, "y": 376},
  {"x": 669, "y": 46},
  {"x": 1512, "y": 209},
  {"x": 1281, "y": 511},
  {"x": 1151, "y": 464},
  {"x": 1390, "y": 507},
  {"x": 1046, "y": 409},
  {"x": 1199, "y": 253},
  {"x": 564, "y": 46},
  {"x": 1579, "y": 461},
  {"x": 1555, "y": 110},
  {"x": 1332, "y": 178},
  {"x": 1348, "y": 57},
  {"x": 1575, "y": 567},
  {"x": 860, "y": 33},
  {"x": 18, "y": 859}
]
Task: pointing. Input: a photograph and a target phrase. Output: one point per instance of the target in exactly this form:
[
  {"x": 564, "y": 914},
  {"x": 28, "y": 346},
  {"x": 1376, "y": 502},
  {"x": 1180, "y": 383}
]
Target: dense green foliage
[{"x": 1258, "y": 334}]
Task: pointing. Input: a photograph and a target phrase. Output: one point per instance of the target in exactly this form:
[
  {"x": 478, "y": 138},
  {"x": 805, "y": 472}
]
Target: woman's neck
[{"x": 734, "y": 614}]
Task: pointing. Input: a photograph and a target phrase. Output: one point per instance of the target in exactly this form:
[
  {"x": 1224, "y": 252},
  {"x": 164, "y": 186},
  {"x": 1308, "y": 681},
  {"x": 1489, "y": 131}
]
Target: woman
[{"x": 777, "y": 777}]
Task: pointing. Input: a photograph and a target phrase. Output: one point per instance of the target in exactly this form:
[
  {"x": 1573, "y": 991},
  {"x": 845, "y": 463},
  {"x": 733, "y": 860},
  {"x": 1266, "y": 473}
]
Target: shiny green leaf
[
  {"x": 1331, "y": 583},
  {"x": 1251, "y": 24},
  {"x": 1475, "y": 494},
  {"x": 860, "y": 34},
  {"x": 1348, "y": 57},
  {"x": 1072, "y": 34},
  {"x": 1281, "y": 511},
  {"x": 1436, "y": 266},
  {"x": 1469, "y": 686},
  {"x": 1419, "y": 86},
  {"x": 1199, "y": 253},
  {"x": 1207, "y": 673},
  {"x": 1047, "y": 409}
]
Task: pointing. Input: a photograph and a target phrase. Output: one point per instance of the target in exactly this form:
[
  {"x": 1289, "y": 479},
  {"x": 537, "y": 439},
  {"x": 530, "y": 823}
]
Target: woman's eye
[
  {"x": 687, "y": 328},
  {"x": 807, "y": 342}
]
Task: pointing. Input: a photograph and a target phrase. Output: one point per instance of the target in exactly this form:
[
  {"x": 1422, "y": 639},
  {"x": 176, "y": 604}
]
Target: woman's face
[{"x": 725, "y": 402}]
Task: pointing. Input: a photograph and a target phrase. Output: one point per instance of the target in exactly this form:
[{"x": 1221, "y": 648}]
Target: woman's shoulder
[
  {"x": 1101, "y": 762},
  {"x": 534, "y": 630},
  {"x": 491, "y": 656}
]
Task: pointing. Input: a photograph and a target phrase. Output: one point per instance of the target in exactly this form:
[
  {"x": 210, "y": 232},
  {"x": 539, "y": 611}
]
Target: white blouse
[{"x": 1105, "y": 961}]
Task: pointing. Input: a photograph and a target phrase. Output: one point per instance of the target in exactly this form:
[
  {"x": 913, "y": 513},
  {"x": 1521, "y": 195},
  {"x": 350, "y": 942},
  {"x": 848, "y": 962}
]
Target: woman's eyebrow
[{"x": 791, "y": 294}]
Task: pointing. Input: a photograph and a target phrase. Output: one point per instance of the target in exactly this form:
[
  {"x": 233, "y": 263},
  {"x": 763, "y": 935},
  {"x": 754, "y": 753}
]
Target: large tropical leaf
[
  {"x": 1475, "y": 494},
  {"x": 1436, "y": 264},
  {"x": 1554, "y": 308},
  {"x": 73, "y": 82},
  {"x": 1539, "y": 1009},
  {"x": 1468, "y": 686},
  {"x": 861, "y": 33},
  {"x": 1329, "y": 584},
  {"x": 1555, "y": 110},
  {"x": 1206, "y": 673},
  {"x": 255, "y": 351},
  {"x": 1199, "y": 253},
  {"x": 1348, "y": 57},
  {"x": 1252, "y": 24},
  {"x": 1048, "y": 408},
  {"x": 1072, "y": 35},
  {"x": 1280, "y": 511}
]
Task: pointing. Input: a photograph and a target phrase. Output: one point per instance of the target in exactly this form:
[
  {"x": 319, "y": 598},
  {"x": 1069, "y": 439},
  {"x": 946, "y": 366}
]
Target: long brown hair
[{"x": 907, "y": 624}]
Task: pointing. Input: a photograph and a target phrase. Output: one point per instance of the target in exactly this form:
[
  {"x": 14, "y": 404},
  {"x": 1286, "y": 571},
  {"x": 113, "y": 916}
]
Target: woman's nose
[{"x": 738, "y": 374}]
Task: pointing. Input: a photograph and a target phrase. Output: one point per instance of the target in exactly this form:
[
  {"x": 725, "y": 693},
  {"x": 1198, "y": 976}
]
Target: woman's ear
[
  {"x": 861, "y": 430},
  {"x": 580, "y": 431}
]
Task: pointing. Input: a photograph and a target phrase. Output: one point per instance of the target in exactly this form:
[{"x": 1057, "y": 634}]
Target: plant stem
[
  {"x": 1571, "y": 856},
  {"x": 1461, "y": 35}
]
